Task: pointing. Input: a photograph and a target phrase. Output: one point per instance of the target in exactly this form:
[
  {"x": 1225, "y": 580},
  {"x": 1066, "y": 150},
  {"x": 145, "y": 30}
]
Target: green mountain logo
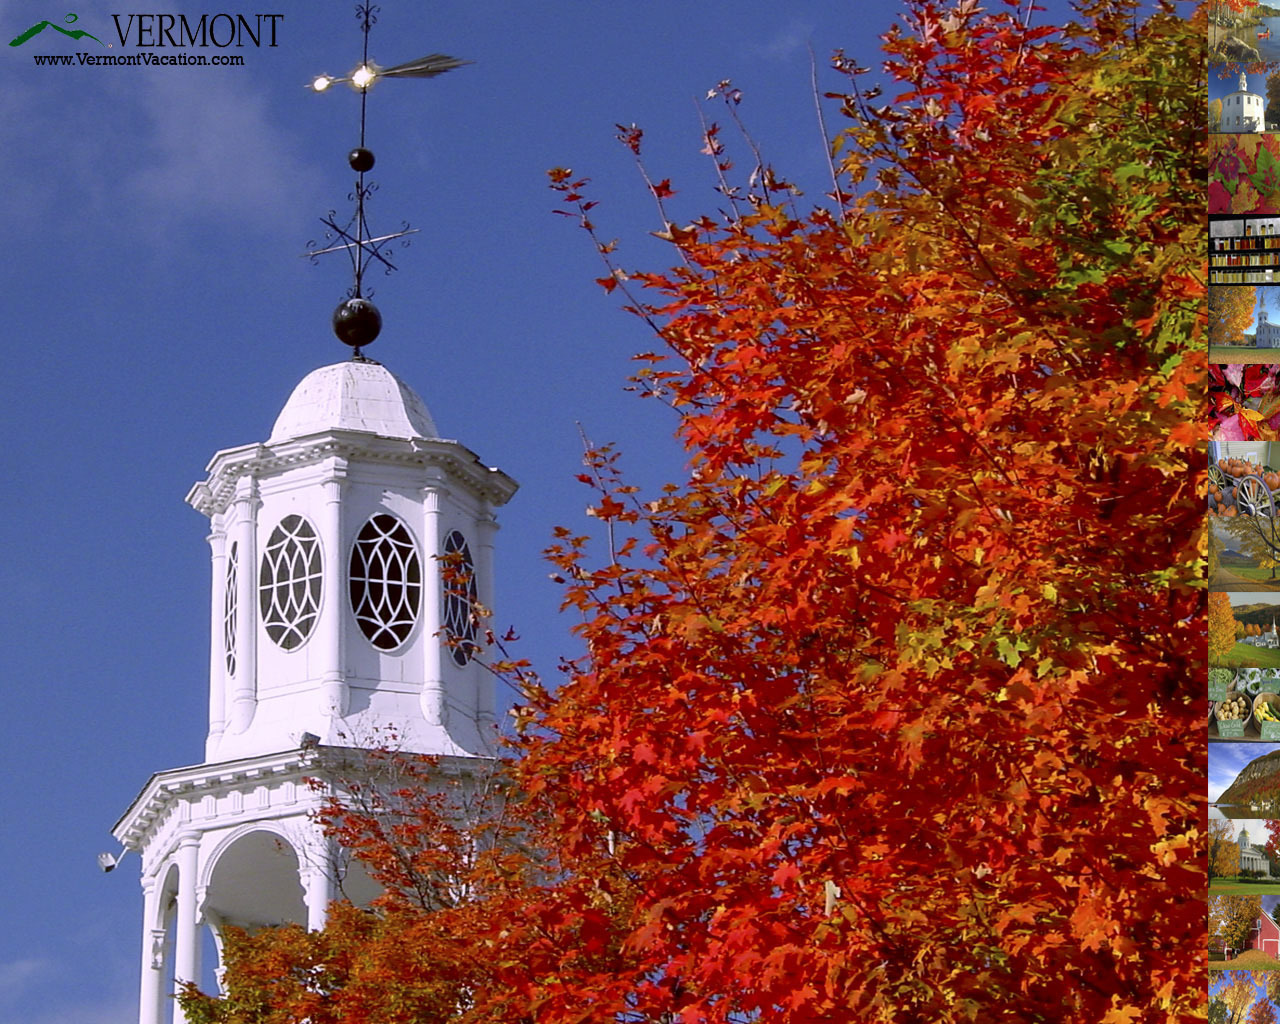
[{"x": 70, "y": 19}]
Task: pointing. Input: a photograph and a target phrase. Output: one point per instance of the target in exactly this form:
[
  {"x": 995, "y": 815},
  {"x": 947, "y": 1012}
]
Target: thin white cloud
[
  {"x": 17, "y": 975},
  {"x": 210, "y": 151},
  {"x": 147, "y": 150},
  {"x": 786, "y": 42}
]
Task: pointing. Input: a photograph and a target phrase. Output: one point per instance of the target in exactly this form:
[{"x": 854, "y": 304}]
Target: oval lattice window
[
  {"x": 289, "y": 582},
  {"x": 386, "y": 582},
  {"x": 229, "y": 599},
  {"x": 459, "y": 598}
]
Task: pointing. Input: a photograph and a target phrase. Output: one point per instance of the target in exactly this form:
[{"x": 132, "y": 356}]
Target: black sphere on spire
[
  {"x": 360, "y": 159},
  {"x": 357, "y": 322}
]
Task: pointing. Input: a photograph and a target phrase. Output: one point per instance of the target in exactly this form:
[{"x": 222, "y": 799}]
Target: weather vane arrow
[{"x": 357, "y": 321}]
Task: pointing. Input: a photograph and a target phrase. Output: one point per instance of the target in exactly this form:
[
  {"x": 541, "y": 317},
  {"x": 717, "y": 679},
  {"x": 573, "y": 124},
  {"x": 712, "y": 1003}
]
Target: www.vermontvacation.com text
[{"x": 138, "y": 60}]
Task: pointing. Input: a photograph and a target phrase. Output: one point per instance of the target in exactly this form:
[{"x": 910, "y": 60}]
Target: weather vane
[{"x": 357, "y": 321}]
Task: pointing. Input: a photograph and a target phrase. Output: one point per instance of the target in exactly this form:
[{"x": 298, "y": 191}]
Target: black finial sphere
[
  {"x": 360, "y": 159},
  {"x": 357, "y": 322}
]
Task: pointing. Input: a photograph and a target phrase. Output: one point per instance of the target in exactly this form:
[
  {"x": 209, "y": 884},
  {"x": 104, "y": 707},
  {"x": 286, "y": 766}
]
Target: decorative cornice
[
  {"x": 165, "y": 790},
  {"x": 215, "y": 494}
]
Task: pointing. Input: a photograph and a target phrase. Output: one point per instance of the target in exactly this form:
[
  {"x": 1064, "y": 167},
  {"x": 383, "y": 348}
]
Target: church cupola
[{"x": 352, "y": 552}]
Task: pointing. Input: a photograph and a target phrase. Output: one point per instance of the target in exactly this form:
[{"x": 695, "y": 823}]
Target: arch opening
[{"x": 255, "y": 884}]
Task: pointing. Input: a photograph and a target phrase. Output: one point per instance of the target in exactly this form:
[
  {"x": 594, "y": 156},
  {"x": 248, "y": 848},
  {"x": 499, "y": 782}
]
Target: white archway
[{"x": 253, "y": 880}]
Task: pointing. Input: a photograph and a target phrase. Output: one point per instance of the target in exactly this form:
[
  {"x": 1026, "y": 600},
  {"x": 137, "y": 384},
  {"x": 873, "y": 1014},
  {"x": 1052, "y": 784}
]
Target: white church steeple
[{"x": 352, "y": 555}]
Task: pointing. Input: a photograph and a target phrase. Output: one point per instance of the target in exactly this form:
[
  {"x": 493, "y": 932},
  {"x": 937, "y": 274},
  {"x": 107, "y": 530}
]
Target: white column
[
  {"x": 244, "y": 696},
  {"x": 151, "y": 991},
  {"x": 217, "y": 643},
  {"x": 186, "y": 959},
  {"x": 433, "y": 495},
  {"x": 486, "y": 529},
  {"x": 333, "y": 598},
  {"x": 318, "y": 892},
  {"x": 317, "y": 873}
]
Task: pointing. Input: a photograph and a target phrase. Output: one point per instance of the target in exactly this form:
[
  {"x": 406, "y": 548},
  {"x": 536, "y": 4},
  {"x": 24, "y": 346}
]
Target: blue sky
[
  {"x": 1220, "y": 86},
  {"x": 1222, "y": 979},
  {"x": 158, "y": 311},
  {"x": 1272, "y": 293}
]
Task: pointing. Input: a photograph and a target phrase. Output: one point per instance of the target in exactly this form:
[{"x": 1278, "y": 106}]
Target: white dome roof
[{"x": 353, "y": 396}]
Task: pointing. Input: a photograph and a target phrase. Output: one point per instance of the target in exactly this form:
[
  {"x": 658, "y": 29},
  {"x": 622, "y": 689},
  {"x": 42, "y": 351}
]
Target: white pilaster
[
  {"x": 486, "y": 530},
  {"x": 217, "y": 644},
  {"x": 433, "y": 496},
  {"x": 244, "y": 692},
  {"x": 334, "y": 698}
]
